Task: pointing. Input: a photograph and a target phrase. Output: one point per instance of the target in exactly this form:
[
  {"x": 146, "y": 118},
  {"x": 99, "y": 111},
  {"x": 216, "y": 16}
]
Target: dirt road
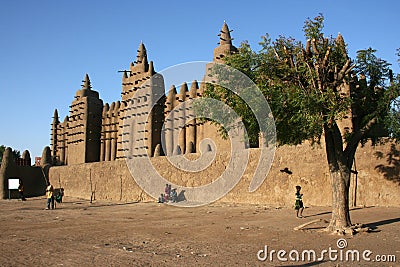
[{"x": 78, "y": 233}]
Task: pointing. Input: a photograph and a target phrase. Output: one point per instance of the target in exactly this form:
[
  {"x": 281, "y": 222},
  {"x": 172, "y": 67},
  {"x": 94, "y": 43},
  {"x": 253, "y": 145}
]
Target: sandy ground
[{"x": 78, "y": 233}]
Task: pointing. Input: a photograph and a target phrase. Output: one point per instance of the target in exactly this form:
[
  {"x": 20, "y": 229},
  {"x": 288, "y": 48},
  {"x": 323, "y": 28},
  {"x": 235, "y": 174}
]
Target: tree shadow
[
  {"x": 329, "y": 212},
  {"x": 375, "y": 225},
  {"x": 391, "y": 171},
  {"x": 317, "y": 214}
]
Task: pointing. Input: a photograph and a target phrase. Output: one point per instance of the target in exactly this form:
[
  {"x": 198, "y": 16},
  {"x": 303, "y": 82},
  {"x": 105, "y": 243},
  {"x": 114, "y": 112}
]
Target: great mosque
[{"x": 94, "y": 131}]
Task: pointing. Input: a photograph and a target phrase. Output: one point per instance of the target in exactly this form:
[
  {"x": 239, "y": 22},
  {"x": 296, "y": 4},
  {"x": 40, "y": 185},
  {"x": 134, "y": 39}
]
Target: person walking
[
  {"x": 21, "y": 191},
  {"x": 50, "y": 197},
  {"x": 298, "y": 205}
]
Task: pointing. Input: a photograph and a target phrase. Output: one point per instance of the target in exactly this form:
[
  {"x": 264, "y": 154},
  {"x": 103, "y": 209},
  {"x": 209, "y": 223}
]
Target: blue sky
[{"x": 47, "y": 46}]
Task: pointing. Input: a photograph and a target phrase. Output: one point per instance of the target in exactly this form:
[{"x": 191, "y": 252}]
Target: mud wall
[
  {"x": 31, "y": 177},
  {"x": 376, "y": 183}
]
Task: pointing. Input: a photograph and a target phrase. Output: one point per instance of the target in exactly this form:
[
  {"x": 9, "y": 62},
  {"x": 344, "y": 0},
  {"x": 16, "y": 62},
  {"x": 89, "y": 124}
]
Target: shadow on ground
[{"x": 375, "y": 225}]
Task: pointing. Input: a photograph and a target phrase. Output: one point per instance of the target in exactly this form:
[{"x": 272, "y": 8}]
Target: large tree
[{"x": 311, "y": 88}]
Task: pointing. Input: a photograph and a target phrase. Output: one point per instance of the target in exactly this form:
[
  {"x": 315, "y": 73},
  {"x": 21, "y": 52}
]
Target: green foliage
[
  {"x": 375, "y": 69},
  {"x": 232, "y": 89},
  {"x": 313, "y": 27},
  {"x": 392, "y": 121},
  {"x": 375, "y": 96}
]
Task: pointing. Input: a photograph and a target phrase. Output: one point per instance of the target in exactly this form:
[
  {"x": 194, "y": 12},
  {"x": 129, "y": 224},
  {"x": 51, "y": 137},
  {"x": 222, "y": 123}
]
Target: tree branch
[
  {"x": 308, "y": 48},
  {"x": 312, "y": 78},
  {"x": 314, "y": 47},
  {"x": 325, "y": 60},
  {"x": 319, "y": 82},
  {"x": 358, "y": 135},
  {"x": 277, "y": 55},
  {"x": 345, "y": 70},
  {"x": 342, "y": 73}
]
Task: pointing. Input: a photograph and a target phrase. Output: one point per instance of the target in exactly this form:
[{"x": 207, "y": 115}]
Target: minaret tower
[
  {"x": 225, "y": 44},
  {"x": 85, "y": 125},
  {"x": 143, "y": 100},
  {"x": 54, "y": 135},
  {"x": 139, "y": 72}
]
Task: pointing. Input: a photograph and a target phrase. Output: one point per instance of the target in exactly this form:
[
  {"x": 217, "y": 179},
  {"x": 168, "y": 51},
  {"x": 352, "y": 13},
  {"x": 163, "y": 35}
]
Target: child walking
[
  {"x": 50, "y": 197},
  {"x": 298, "y": 205}
]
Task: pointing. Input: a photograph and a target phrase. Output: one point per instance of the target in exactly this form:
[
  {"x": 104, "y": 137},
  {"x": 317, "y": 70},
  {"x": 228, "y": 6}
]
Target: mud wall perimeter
[{"x": 376, "y": 183}]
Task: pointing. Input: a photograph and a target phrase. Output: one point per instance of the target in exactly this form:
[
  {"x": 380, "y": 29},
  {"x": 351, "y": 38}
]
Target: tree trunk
[
  {"x": 339, "y": 169},
  {"x": 340, "y": 220}
]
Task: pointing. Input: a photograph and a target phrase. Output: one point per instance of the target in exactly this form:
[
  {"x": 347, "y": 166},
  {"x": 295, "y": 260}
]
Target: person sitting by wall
[
  {"x": 167, "y": 192},
  {"x": 174, "y": 195},
  {"x": 161, "y": 198}
]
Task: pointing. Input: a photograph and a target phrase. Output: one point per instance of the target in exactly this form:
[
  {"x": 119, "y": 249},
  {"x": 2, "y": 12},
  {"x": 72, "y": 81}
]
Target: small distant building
[{"x": 37, "y": 161}]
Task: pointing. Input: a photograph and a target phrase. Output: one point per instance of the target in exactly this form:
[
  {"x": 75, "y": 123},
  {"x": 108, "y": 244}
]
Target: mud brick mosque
[
  {"x": 87, "y": 151},
  {"x": 93, "y": 130}
]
